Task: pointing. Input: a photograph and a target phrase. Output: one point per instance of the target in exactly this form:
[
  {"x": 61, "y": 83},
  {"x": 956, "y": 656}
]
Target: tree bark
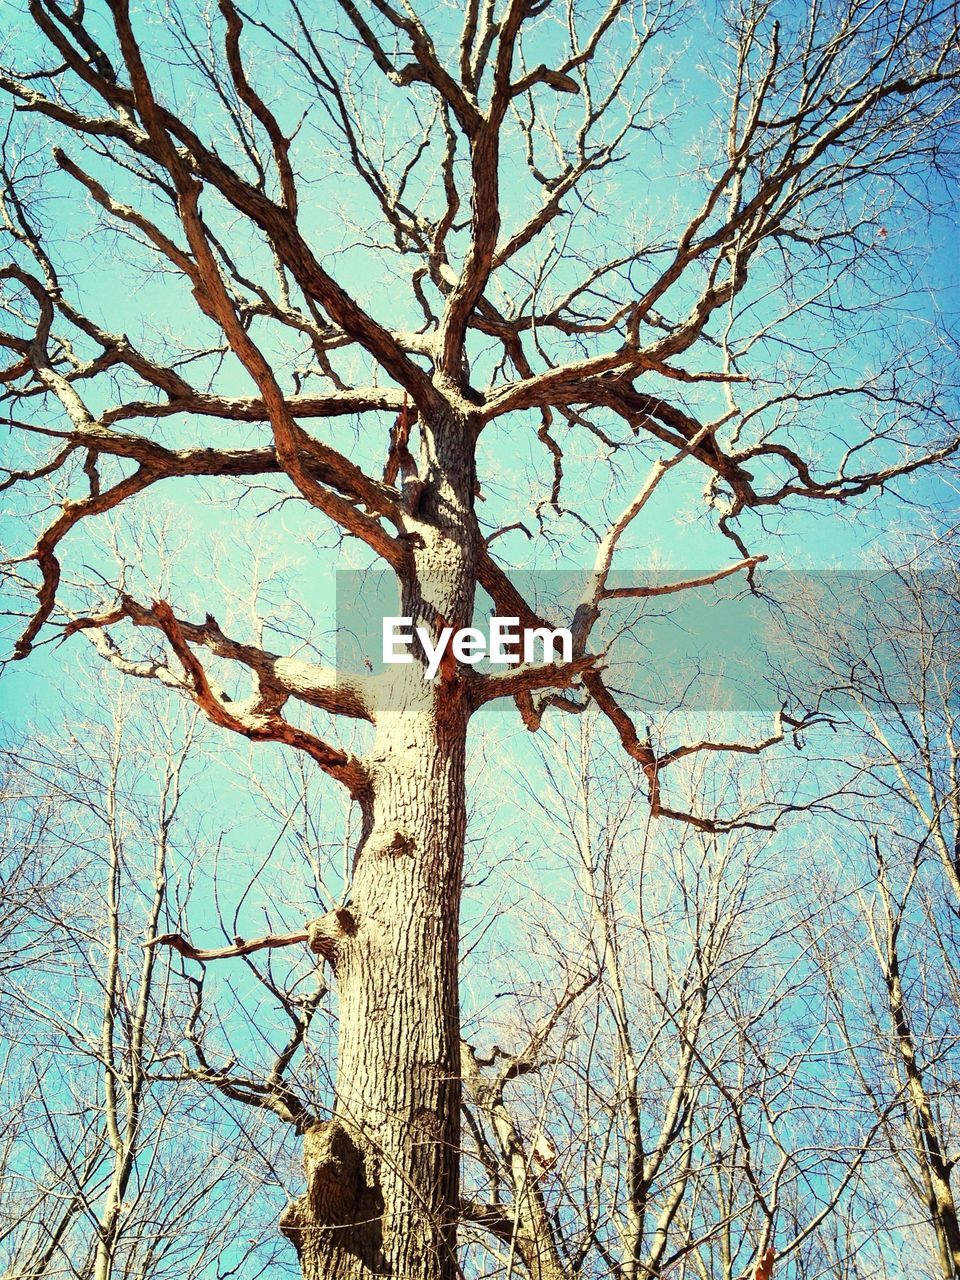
[
  {"x": 382, "y": 1175},
  {"x": 935, "y": 1169}
]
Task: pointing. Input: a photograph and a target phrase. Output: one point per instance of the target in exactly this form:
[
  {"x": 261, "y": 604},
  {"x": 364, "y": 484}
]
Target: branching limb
[{"x": 259, "y": 720}]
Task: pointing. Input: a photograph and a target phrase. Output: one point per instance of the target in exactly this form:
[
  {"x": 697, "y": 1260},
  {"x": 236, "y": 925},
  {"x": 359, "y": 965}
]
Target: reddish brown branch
[
  {"x": 259, "y": 721},
  {"x": 765, "y": 1265},
  {"x": 240, "y": 947}
]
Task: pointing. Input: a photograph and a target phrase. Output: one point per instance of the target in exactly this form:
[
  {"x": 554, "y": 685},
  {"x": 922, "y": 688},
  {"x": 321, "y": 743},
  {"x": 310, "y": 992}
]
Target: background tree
[
  {"x": 456, "y": 271},
  {"x": 112, "y": 1162},
  {"x": 655, "y": 1103},
  {"x": 909, "y": 1059},
  {"x": 886, "y": 672}
]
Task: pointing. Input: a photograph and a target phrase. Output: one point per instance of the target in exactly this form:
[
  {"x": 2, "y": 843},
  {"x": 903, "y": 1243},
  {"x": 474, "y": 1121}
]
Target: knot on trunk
[
  {"x": 334, "y": 1167},
  {"x": 390, "y": 843},
  {"x": 336, "y": 1225},
  {"x": 400, "y": 845},
  {"x": 325, "y": 935}
]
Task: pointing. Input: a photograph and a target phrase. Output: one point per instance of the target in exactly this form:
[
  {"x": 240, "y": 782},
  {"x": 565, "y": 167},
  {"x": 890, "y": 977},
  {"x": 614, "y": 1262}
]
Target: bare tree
[
  {"x": 893, "y": 1005},
  {"x": 35, "y": 877},
  {"x": 483, "y": 293},
  {"x": 108, "y": 1170},
  {"x": 656, "y": 1104},
  {"x": 887, "y": 668}
]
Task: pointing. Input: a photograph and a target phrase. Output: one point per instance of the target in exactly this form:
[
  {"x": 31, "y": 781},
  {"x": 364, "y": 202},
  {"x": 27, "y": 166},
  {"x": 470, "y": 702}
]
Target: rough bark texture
[{"x": 382, "y": 1177}]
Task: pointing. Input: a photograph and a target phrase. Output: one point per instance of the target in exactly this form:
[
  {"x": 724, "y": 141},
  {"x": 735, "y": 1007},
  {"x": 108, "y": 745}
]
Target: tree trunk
[
  {"x": 928, "y": 1139},
  {"x": 383, "y": 1174}
]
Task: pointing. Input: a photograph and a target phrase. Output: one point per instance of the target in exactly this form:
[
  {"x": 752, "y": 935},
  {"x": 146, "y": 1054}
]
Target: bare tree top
[{"x": 489, "y": 225}]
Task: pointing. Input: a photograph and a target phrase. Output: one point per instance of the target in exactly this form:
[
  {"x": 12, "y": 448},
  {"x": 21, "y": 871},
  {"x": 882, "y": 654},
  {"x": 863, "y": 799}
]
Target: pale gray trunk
[{"x": 382, "y": 1176}]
